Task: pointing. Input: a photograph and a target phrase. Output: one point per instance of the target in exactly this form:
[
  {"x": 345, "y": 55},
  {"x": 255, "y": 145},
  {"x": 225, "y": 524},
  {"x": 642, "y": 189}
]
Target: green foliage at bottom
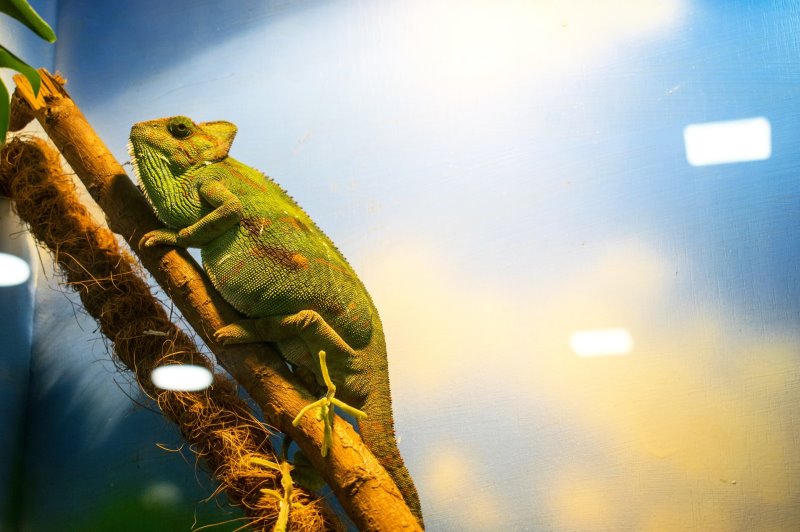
[{"x": 134, "y": 514}]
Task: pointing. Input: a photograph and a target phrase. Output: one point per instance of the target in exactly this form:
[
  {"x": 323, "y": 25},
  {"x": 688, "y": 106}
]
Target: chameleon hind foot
[{"x": 326, "y": 406}]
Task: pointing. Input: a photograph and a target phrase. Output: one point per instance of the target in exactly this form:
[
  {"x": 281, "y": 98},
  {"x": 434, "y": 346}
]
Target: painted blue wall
[{"x": 502, "y": 175}]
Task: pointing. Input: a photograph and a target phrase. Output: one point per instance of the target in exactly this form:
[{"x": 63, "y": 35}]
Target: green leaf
[
  {"x": 22, "y": 11},
  {"x": 4, "y": 112},
  {"x": 9, "y": 60}
]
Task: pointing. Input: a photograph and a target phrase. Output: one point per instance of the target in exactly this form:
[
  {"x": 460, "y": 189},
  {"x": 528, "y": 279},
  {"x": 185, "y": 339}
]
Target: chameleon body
[{"x": 271, "y": 262}]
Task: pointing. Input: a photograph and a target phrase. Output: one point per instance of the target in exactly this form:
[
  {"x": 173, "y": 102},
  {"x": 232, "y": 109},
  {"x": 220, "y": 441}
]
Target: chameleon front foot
[
  {"x": 159, "y": 237},
  {"x": 236, "y": 333},
  {"x": 326, "y": 405}
]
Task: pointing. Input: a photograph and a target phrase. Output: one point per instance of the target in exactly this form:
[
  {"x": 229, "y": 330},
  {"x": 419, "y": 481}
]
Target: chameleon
[{"x": 271, "y": 262}]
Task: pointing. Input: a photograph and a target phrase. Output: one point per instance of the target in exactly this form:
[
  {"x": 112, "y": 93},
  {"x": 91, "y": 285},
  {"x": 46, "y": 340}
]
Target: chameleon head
[{"x": 179, "y": 143}]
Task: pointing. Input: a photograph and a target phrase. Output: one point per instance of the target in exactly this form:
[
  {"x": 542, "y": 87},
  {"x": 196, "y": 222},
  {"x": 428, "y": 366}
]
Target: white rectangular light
[
  {"x": 601, "y": 342},
  {"x": 731, "y": 141}
]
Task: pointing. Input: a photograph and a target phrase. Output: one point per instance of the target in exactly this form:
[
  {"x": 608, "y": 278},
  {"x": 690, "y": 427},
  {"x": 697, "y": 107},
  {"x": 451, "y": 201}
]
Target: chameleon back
[{"x": 277, "y": 261}]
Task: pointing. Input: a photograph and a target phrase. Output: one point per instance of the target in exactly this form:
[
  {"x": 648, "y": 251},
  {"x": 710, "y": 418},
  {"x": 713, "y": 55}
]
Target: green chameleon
[{"x": 271, "y": 262}]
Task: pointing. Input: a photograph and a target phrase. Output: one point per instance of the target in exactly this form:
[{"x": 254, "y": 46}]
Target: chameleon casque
[{"x": 271, "y": 262}]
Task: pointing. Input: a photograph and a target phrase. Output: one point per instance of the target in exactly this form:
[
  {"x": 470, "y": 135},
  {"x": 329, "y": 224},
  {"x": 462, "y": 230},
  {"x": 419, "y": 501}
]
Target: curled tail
[{"x": 377, "y": 431}]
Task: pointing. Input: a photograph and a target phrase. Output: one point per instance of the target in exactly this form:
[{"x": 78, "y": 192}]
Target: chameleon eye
[{"x": 180, "y": 129}]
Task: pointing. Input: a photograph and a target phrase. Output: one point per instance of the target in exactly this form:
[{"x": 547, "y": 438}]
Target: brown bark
[{"x": 360, "y": 483}]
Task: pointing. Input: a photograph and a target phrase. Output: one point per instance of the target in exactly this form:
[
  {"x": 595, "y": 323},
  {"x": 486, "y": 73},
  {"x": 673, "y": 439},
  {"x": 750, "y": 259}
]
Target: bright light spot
[
  {"x": 474, "y": 41},
  {"x": 601, "y": 342},
  {"x": 182, "y": 378},
  {"x": 13, "y": 270},
  {"x": 161, "y": 494},
  {"x": 449, "y": 473},
  {"x": 580, "y": 502},
  {"x": 731, "y": 141}
]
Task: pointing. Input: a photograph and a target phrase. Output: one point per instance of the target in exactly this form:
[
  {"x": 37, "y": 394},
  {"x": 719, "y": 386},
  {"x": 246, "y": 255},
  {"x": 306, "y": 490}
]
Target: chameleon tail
[{"x": 377, "y": 431}]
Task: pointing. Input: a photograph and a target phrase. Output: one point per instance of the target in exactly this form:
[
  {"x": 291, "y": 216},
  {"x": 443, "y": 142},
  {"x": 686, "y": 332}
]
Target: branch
[
  {"x": 219, "y": 426},
  {"x": 363, "y": 487}
]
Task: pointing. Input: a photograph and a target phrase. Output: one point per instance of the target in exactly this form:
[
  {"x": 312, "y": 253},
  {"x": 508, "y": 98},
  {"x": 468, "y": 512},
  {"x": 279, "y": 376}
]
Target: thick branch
[
  {"x": 360, "y": 483},
  {"x": 218, "y": 424}
]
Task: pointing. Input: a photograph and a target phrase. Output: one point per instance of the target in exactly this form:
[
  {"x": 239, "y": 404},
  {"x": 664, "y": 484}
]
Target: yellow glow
[
  {"x": 451, "y": 481},
  {"x": 582, "y": 502},
  {"x": 680, "y": 439},
  {"x": 448, "y": 473},
  {"x": 487, "y": 42}
]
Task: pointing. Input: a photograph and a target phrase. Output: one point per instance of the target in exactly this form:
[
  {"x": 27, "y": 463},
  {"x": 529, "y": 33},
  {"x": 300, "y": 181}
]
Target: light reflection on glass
[
  {"x": 182, "y": 378},
  {"x": 601, "y": 342},
  {"x": 731, "y": 141},
  {"x": 13, "y": 270}
]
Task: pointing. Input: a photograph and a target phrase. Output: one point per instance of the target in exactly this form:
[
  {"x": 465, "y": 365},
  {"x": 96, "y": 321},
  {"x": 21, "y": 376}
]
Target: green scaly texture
[{"x": 271, "y": 262}]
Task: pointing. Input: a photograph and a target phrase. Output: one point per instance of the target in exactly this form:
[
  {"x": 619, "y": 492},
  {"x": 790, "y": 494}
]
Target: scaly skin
[{"x": 272, "y": 263}]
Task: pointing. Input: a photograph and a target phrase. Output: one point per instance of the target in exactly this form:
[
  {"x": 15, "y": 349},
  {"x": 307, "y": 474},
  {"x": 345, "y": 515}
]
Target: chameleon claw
[{"x": 326, "y": 407}]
